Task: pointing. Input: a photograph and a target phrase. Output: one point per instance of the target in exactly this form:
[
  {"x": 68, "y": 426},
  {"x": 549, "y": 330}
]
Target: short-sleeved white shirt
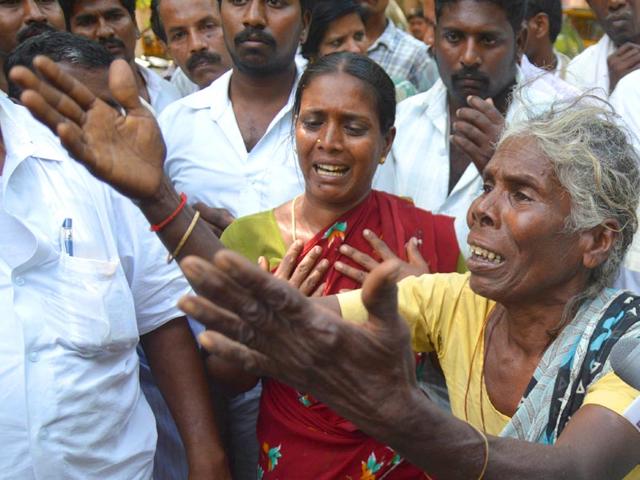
[
  {"x": 590, "y": 70},
  {"x": 162, "y": 93},
  {"x": 418, "y": 166},
  {"x": 70, "y": 403},
  {"x": 208, "y": 160}
]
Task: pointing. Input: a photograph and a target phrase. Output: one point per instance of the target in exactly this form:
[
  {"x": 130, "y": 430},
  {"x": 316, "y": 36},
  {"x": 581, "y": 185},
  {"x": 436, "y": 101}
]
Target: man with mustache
[
  {"x": 23, "y": 19},
  {"x": 192, "y": 34},
  {"x": 446, "y": 136},
  {"x": 602, "y": 65},
  {"x": 113, "y": 24},
  {"x": 229, "y": 145}
]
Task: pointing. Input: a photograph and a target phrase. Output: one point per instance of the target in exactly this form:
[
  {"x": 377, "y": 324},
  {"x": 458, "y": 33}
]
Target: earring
[{"x": 382, "y": 160}]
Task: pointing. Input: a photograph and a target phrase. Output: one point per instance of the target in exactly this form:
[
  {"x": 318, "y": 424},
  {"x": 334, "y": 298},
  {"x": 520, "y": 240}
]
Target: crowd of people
[{"x": 325, "y": 248}]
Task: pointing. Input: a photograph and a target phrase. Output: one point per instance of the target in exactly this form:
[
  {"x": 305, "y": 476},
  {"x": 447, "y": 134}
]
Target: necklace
[{"x": 294, "y": 235}]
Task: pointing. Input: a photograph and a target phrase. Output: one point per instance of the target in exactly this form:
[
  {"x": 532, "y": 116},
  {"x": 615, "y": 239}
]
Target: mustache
[
  {"x": 254, "y": 34},
  {"x": 33, "y": 29},
  {"x": 626, "y": 16},
  {"x": 470, "y": 74},
  {"x": 211, "y": 58},
  {"x": 112, "y": 42}
]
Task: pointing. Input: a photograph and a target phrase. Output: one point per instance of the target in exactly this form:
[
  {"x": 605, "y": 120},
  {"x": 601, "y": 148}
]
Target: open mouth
[
  {"x": 484, "y": 254},
  {"x": 331, "y": 170}
]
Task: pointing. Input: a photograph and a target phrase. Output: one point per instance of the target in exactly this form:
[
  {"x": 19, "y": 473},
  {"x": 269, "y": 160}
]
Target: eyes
[
  {"x": 270, "y": 3},
  {"x": 518, "y": 194},
  {"x": 485, "y": 39},
  {"x": 111, "y": 16},
  {"x": 181, "y": 34},
  {"x": 351, "y": 127}
]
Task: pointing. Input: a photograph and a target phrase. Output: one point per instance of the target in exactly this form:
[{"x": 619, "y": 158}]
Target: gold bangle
[
  {"x": 184, "y": 238},
  {"x": 486, "y": 451}
]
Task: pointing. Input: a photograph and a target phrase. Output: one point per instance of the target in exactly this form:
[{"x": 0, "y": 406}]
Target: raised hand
[
  {"x": 476, "y": 130},
  {"x": 416, "y": 264},
  {"x": 217, "y": 218},
  {"x": 621, "y": 62},
  {"x": 271, "y": 329},
  {"x": 126, "y": 151}
]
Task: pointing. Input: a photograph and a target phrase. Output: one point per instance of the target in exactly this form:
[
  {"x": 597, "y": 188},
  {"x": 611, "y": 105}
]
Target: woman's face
[
  {"x": 521, "y": 251},
  {"x": 338, "y": 139},
  {"x": 345, "y": 34}
]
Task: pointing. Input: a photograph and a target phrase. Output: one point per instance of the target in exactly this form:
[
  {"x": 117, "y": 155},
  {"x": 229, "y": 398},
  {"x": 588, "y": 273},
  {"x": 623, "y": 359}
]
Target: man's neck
[
  {"x": 262, "y": 89},
  {"x": 500, "y": 101},
  {"x": 143, "y": 91},
  {"x": 545, "y": 59},
  {"x": 375, "y": 27}
]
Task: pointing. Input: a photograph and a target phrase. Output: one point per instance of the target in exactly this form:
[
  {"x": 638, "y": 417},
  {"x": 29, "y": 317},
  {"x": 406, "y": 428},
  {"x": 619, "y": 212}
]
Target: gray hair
[{"x": 595, "y": 161}]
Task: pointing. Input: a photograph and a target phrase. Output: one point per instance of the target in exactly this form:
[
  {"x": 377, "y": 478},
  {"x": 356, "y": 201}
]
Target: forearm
[
  {"x": 179, "y": 371},
  {"x": 447, "y": 447},
  {"x": 202, "y": 242}
]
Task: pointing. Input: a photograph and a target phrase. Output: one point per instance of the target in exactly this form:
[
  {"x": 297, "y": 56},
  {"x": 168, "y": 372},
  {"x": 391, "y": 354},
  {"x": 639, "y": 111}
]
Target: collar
[
  {"x": 386, "y": 39},
  {"x": 26, "y": 137},
  {"x": 216, "y": 96}
]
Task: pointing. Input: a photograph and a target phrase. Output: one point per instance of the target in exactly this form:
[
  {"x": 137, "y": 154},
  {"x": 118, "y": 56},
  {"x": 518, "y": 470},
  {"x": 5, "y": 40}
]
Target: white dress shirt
[
  {"x": 182, "y": 83},
  {"x": 70, "y": 403},
  {"x": 161, "y": 92},
  {"x": 418, "y": 166},
  {"x": 208, "y": 160},
  {"x": 590, "y": 70}
]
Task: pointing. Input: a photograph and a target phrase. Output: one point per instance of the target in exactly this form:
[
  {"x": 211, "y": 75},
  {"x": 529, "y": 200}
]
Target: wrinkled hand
[
  {"x": 217, "y": 218},
  {"x": 124, "y": 151},
  {"x": 306, "y": 275},
  {"x": 477, "y": 129},
  {"x": 270, "y": 329},
  {"x": 621, "y": 62},
  {"x": 415, "y": 266}
]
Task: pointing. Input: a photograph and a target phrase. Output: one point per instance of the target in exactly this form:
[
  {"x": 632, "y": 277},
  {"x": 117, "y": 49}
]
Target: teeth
[
  {"x": 331, "y": 170},
  {"x": 486, "y": 254}
]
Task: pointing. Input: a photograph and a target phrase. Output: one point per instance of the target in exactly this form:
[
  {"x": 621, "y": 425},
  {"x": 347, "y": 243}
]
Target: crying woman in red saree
[{"x": 345, "y": 110}]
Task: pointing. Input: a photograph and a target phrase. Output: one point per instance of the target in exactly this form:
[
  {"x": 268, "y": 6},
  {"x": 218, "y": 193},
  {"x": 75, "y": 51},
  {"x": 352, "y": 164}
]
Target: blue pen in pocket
[{"x": 67, "y": 236}]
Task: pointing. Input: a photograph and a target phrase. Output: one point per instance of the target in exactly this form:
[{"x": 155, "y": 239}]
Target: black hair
[
  {"x": 552, "y": 9},
  {"x": 362, "y": 68},
  {"x": 67, "y": 9},
  {"x": 324, "y": 13},
  {"x": 156, "y": 22},
  {"x": 415, "y": 13},
  {"x": 305, "y": 5},
  {"x": 514, "y": 9},
  {"x": 61, "y": 47}
]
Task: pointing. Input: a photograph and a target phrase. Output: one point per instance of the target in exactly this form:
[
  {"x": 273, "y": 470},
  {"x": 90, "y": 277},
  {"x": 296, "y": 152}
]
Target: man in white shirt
[
  {"x": 447, "y": 135},
  {"x": 113, "y": 24},
  {"x": 602, "y": 65},
  {"x": 192, "y": 34},
  {"x": 81, "y": 279},
  {"x": 403, "y": 57},
  {"x": 230, "y": 145},
  {"x": 22, "y": 19}
]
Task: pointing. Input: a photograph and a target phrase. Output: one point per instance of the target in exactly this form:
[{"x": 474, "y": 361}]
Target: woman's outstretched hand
[
  {"x": 269, "y": 328},
  {"x": 124, "y": 150},
  {"x": 416, "y": 264}
]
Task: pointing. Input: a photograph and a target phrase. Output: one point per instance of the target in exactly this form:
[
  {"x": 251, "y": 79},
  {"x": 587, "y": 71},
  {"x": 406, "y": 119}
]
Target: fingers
[
  {"x": 320, "y": 290},
  {"x": 380, "y": 296},
  {"x": 234, "y": 352},
  {"x": 288, "y": 263},
  {"x": 415, "y": 256},
  {"x": 46, "y": 103},
  {"x": 122, "y": 84},
  {"x": 63, "y": 82},
  {"x": 378, "y": 245},
  {"x": 263, "y": 263},
  {"x": 216, "y": 318},
  {"x": 310, "y": 284},
  {"x": 486, "y": 107},
  {"x": 351, "y": 272}
]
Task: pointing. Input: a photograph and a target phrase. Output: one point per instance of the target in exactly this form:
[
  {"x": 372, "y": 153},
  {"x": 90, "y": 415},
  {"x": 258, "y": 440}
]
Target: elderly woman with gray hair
[{"x": 524, "y": 339}]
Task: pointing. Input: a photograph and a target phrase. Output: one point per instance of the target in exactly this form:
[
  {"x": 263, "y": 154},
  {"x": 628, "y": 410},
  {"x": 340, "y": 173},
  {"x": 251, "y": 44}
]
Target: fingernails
[
  {"x": 338, "y": 266},
  {"x": 193, "y": 270},
  {"x": 261, "y": 259},
  {"x": 344, "y": 249},
  {"x": 367, "y": 232},
  {"x": 324, "y": 263},
  {"x": 189, "y": 306},
  {"x": 317, "y": 250}
]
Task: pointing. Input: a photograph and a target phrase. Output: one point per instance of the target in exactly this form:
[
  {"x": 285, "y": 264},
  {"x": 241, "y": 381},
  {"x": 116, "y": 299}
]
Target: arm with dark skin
[
  {"x": 624, "y": 60},
  {"x": 177, "y": 367},
  {"x": 270, "y": 329}
]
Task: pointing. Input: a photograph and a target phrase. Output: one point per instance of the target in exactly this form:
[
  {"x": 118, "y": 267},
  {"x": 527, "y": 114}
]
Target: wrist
[{"x": 161, "y": 204}]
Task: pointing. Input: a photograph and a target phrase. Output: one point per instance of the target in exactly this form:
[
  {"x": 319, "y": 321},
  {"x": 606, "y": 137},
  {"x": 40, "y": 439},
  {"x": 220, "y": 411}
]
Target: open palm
[{"x": 126, "y": 151}]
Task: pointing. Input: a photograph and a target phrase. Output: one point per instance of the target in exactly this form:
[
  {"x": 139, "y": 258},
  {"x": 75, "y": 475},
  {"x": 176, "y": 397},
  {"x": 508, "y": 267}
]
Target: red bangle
[{"x": 167, "y": 221}]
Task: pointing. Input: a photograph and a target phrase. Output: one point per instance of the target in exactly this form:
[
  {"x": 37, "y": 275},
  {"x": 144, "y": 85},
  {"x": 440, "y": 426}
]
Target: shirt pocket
[{"x": 92, "y": 308}]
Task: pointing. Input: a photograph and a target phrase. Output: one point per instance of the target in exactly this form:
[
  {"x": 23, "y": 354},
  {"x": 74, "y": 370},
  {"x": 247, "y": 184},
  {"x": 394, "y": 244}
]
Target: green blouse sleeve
[{"x": 256, "y": 236}]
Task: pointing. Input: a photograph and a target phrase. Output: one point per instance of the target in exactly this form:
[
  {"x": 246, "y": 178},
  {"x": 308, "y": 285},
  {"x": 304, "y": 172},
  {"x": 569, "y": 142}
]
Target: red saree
[{"x": 301, "y": 438}]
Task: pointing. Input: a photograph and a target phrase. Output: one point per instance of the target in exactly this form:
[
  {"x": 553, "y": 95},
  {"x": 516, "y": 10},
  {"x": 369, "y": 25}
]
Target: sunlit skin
[
  {"x": 620, "y": 19},
  {"x": 103, "y": 21},
  {"x": 521, "y": 216},
  {"x": 346, "y": 34},
  {"x": 16, "y": 16},
  {"x": 194, "y": 38},
  {"x": 338, "y": 126},
  {"x": 476, "y": 49}
]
